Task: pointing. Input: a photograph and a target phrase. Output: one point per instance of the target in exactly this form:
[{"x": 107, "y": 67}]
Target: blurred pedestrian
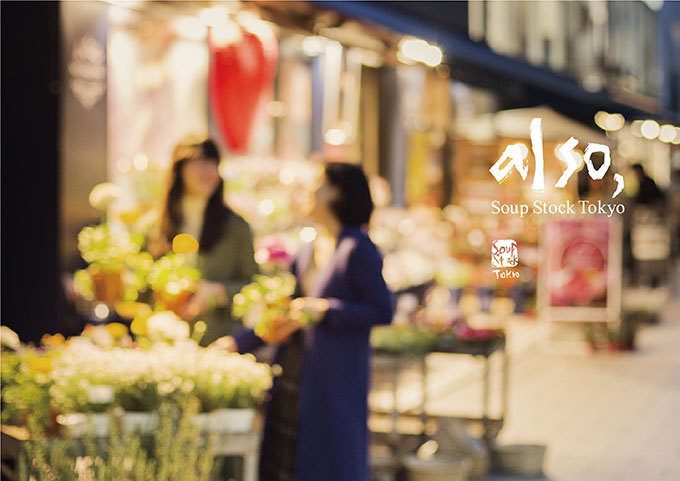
[
  {"x": 194, "y": 204},
  {"x": 316, "y": 426},
  {"x": 648, "y": 192}
]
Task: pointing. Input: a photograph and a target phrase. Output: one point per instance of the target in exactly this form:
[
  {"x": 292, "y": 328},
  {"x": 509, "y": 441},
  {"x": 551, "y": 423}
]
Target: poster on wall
[{"x": 580, "y": 276}]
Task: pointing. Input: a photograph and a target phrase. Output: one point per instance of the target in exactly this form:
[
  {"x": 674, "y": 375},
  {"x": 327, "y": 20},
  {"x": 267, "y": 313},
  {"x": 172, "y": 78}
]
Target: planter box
[
  {"x": 202, "y": 421},
  {"x": 78, "y": 425},
  {"x": 232, "y": 420},
  {"x": 141, "y": 422}
]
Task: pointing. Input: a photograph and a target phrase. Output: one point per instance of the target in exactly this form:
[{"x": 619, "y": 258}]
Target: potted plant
[
  {"x": 117, "y": 268},
  {"x": 173, "y": 278},
  {"x": 26, "y": 381},
  {"x": 140, "y": 400},
  {"x": 265, "y": 301}
]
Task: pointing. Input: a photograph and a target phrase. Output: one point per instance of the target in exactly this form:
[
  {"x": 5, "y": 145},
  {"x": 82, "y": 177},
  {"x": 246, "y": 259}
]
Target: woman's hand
[
  {"x": 313, "y": 307},
  {"x": 226, "y": 342},
  {"x": 208, "y": 296},
  {"x": 281, "y": 330}
]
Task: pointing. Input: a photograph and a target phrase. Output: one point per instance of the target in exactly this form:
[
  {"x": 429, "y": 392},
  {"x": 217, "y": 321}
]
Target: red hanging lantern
[{"x": 243, "y": 59}]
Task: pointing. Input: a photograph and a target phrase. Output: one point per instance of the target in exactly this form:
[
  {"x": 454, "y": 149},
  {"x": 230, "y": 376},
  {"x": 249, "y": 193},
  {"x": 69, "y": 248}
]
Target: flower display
[
  {"x": 272, "y": 254},
  {"x": 118, "y": 268},
  {"x": 81, "y": 376},
  {"x": 265, "y": 301},
  {"x": 173, "y": 280},
  {"x": 107, "y": 249},
  {"x": 167, "y": 325},
  {"x": 402, "y": 339}
]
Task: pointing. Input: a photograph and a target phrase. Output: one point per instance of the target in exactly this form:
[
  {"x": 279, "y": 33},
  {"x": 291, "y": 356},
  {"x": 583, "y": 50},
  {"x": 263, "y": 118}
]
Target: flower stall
[{"x": 110, "y": 382}]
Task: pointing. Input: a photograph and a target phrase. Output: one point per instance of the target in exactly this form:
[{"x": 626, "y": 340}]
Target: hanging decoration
[{"x": 243, "y": 58}]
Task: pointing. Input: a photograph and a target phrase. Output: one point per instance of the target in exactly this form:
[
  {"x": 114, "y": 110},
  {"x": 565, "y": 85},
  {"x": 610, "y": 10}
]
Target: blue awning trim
[{"x": 457, "y": 47}]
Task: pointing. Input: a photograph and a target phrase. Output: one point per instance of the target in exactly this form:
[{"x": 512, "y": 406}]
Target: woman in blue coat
[{"x": 316, "y": 427}]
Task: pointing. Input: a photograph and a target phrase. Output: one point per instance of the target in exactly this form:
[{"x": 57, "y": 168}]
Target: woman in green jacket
[{"x": 195, "y": 205}]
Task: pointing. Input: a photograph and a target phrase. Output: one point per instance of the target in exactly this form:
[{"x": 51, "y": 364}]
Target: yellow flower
[
  {"x": 138, "y": 326},
  {"x": 129, "y": 216},
  {"x": 130, "y": 310},
  {"x": 117, "y": 330},
  {"x": 52, "y": 341},
  {"x": 184, "y": 244},
  {"x": 40, "y": 364}
]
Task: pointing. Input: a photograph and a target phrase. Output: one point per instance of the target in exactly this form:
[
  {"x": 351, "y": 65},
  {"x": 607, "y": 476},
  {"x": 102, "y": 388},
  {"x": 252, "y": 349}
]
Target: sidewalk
[{"x": 604, "y": 417}]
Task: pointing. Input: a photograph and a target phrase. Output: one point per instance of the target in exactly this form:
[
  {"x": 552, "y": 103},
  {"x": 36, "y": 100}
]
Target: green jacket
[{"x": 230, "y": 262}]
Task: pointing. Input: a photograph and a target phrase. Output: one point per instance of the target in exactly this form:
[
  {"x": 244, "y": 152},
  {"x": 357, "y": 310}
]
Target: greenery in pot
[
  {"x": 118, "y": 268},
  {"x": 26, "y": 382},
  {"x": 139, "y": 396},
  {"x": 177, "y": 452},
  {"x": 405, "y": 338},
  {"x": 173, "y": 279},
  {"x": 265, "y": 301}
]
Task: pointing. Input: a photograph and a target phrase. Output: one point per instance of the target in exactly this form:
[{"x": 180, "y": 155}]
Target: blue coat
[{"x": 333, "y": 431}]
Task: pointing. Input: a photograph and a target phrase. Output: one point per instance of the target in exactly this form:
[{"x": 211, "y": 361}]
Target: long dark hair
[
  {"x": 216, "y": 212},
  {"x": 354, "y": 204}
]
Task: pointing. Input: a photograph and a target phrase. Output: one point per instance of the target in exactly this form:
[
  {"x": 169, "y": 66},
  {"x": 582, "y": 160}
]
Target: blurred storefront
[
  {"x": 427, "y": 102},
  {"x": 427, "y": 97}
]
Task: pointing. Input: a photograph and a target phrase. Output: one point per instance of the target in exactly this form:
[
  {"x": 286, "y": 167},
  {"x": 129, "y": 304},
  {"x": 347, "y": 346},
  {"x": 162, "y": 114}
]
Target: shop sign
[
  {"x": 580, "y": 271},
  {"x": 514, "y": 157},
  {"x": 504, "y": 256}
]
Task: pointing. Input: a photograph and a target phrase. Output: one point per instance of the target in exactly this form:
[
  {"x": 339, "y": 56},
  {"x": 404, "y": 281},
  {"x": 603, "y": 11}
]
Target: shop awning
[{"x": 561, "y": 93}]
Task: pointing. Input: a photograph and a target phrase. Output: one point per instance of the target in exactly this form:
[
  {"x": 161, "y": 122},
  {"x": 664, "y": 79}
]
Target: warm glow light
[
  {"x": 308, "y": 234},
  {"x": 120, "y": 15},
  {"x": 667, "y": 133},
  {"x": 254, "y": 24},
  {"x": 418, "y": 50},
  {"x": 141, "y": 161},
  {"x": 369, "y": 58},
  {"x": 190, "y": 28},
  {"x": 101, "y": 311},
  {"x": 261, "y": 255},
  {"x": 276, "y": 108},
  {"x": 601, "y": 119},
  {"x": 214, "y": 15},
  {"x": 614, "y": 122},
  {"x": 636, "y": 128},
  {"x": 626, "y": 148},
  {"x": 266, "y": 207},
  {"x": 335, "y": 137},
  {"x": 313, "y": 46},
  {"x": 287, "y": 176},
  {"x": 406, "y": 227},
  {"x": 225, "y": 33},
  {"x": 124, "y": 165},
  {"x": 476, "y": 237},
  {"x": 676, "y": 141},
  {"x": 610, "y": 122},
  {"x": 650, "y": 129}
]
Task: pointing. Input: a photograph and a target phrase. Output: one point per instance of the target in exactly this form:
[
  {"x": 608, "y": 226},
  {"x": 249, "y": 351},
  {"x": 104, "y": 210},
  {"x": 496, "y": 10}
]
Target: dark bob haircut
[{"x": 354, "y": 205}]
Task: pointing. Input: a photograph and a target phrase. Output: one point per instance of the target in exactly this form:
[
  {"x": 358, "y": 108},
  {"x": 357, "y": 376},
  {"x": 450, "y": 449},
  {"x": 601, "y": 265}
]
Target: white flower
[
  {"x": 9, "y": 338},
  {"x": 167, "y": 325},
  {"x": 103, "y": 195}
]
